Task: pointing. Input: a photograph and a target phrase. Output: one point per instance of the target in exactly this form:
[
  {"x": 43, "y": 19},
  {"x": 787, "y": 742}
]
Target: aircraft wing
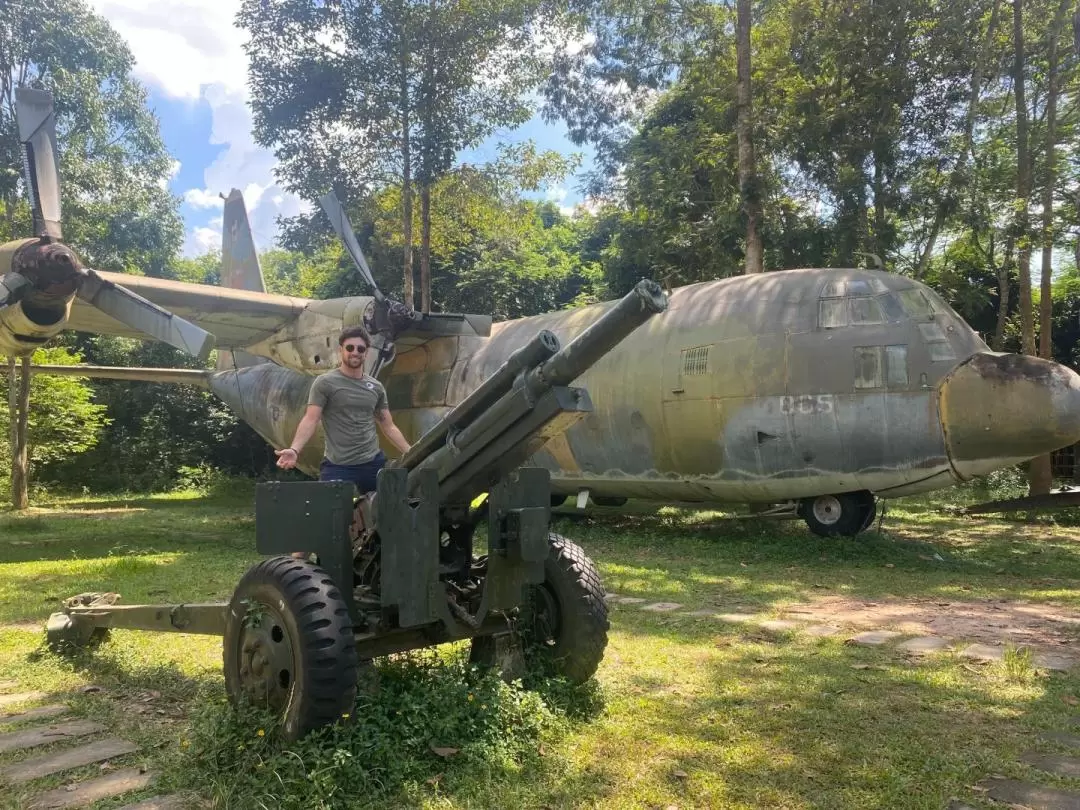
[{"x": 236, "y": 318}]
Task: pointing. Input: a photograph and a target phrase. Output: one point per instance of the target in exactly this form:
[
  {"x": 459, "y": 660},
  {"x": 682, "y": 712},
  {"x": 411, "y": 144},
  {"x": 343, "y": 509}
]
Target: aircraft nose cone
[{"x": 1001, "y": 409}]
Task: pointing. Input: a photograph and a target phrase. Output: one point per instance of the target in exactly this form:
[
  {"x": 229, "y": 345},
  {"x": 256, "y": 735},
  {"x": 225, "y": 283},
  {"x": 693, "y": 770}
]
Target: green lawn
[{"x": 687, "y": 711}]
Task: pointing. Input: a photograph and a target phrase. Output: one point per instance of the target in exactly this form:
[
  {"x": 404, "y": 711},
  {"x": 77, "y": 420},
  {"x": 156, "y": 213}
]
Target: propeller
[{"x": 46, "y": 272}]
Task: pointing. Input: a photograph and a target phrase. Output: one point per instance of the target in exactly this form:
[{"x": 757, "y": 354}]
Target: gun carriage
[{"x": 397, "y": 569}]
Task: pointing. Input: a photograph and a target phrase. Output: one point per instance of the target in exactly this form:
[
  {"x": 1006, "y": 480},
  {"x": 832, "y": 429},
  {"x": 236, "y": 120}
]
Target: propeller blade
[
  {"x": 11, "y": 286},
  {"x": 150, "y": 319},
  {"x": 341, "y": 225},
  {"x": 37, "y": 131}
]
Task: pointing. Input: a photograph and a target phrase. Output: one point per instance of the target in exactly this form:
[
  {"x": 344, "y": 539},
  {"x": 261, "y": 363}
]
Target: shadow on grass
[{"x": 788, "y": 723}]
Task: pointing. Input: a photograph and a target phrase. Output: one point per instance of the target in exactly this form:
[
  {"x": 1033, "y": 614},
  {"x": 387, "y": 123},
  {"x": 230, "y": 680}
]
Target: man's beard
[{"x": 354, "y": 362}]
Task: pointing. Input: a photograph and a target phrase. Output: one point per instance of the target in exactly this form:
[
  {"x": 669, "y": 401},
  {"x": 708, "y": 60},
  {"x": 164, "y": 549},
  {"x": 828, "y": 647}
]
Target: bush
[{"x": 422, "y": 716}]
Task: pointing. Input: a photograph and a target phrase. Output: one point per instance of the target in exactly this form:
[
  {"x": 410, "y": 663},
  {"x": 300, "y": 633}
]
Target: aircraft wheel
[
  {"x": 565, "y": 621},
  {"x": 838, "y": 515},
  {"x": 289, "y": 645}
]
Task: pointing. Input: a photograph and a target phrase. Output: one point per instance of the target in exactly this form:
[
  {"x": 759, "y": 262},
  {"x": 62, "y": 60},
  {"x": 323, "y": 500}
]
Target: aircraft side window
[
  {"x": 865, "y": 311},
  {"x": 833, "y": 312},
  {"x": 881, "y": 366},
  {"x": 896, "y": 366},
  {"x": 868, "y": 366}
]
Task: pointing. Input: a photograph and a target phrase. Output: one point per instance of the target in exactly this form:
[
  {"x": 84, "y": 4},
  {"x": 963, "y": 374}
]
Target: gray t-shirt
[{"x": 348, "y": 415}]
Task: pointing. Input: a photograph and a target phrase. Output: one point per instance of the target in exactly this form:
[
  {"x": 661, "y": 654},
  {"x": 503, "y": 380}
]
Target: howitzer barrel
[
  {"x": 573, "y": 360},
  {"x": 504, "y": 433},
  {"x": 536, "y": 351}
]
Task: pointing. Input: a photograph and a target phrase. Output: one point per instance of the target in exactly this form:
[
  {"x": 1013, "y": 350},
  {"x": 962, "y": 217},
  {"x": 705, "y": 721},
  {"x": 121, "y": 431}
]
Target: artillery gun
[{"x": 397, "y": 569}]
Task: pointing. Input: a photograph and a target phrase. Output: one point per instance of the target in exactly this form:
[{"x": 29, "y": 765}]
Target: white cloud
[
  {"x": 191, "y": 51},
  {"x": 557, "y": 194},
  {"x": 203, "y": 198}
]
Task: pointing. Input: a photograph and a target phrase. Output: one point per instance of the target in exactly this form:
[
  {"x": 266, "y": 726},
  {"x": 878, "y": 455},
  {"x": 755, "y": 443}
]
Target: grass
[{"x": 686, "y": 712}]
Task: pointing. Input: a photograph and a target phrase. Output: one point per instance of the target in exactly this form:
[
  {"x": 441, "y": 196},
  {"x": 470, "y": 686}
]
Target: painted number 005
[{"x": 821, "y": 403}]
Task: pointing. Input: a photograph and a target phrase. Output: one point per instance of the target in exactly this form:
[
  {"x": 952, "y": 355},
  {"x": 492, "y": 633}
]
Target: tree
[
  {"x": 64, "y": 421},
  {"x": 113, "y": 164},
  {"x": 747, "y": 174},
  {"x": 355, "y": 95}
]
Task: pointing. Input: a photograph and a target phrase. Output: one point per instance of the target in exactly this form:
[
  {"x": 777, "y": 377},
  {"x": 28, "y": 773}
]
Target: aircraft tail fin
[{"x": 240, "y": 269}]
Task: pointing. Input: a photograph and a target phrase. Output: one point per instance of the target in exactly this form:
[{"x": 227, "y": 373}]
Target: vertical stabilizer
[{"x": 240, "y": 268}]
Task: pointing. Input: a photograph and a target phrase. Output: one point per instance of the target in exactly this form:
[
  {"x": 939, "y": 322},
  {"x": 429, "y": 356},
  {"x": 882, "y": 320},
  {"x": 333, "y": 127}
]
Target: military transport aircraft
[{"x": 810, "y": 390}]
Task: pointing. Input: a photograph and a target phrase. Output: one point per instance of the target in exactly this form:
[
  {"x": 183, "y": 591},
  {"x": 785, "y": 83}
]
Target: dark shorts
[{"x": 362, "y": 475}]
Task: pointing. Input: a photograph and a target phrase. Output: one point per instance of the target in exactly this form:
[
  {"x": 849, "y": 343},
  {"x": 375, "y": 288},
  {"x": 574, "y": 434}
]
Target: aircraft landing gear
[{"x": 839, "y": 515}]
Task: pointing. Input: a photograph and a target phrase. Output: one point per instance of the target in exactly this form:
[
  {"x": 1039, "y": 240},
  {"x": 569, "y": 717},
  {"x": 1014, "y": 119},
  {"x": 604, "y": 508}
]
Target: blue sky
[{"x": 190, "y": 58}]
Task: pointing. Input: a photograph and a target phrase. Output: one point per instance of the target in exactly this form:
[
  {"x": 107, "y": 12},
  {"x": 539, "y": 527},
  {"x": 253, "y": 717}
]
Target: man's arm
[
  {"x": 390, "y": 430},
  {"x": 304, "y": 431}
]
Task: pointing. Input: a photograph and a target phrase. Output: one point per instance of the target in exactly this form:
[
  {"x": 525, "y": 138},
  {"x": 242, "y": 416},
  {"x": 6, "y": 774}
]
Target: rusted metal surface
[{"x": 1001, "y": 409}]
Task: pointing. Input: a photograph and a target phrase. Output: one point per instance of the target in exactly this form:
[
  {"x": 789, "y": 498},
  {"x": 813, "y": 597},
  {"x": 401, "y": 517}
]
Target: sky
[{"x": 190, "y": 57}]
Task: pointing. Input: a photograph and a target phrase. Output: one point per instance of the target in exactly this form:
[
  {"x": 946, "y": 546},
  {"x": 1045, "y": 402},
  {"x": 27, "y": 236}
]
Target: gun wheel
[
  {"x": 565, "y": 620},
  {"x": 289, "y": 645}
]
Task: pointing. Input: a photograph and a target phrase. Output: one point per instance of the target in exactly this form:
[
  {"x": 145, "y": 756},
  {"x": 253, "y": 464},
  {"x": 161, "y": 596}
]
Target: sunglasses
[{"x": 352, "y": 347}]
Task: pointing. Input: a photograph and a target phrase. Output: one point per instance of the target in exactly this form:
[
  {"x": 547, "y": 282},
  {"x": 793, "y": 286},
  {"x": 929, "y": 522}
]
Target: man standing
[{"x": 350, "y": 404}]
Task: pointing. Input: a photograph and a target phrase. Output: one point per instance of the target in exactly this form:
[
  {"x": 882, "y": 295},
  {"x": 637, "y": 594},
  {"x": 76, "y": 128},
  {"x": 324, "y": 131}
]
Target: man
[{"x": 350, "y": 404}]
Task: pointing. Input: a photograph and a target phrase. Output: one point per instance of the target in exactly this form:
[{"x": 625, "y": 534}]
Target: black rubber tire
[
  {"x": 309, "y": 607},
  {"x": 855, "y": 510},
  {"x": 609, "y": 500},
  {"x": 575, "y": 646}
]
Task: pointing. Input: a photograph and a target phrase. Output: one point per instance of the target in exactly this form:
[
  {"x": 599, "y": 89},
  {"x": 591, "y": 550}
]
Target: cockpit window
[
  {"x": 936, "y": 342},
  {"x": 833, "y": 312},
  {"x": 915, "y": 303},
  {"x": 865, "y": 311},
  {"x": 891, "y": 307}
]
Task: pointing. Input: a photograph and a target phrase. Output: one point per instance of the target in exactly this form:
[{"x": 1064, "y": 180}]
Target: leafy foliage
[
  {"x": 65, "y": 420},
  {"x": 422, "y": 717},
  {"x": 113, "y": 164}
]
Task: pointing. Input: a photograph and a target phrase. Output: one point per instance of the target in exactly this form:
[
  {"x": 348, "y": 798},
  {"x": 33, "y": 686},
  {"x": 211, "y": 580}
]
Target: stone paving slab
[
  {"x": 924, "y": 645},
  {"x": 629, "y": 600},
  {"x": 86, "y": 793},
  {"x": 8, "y": 700},
  {"x": 40, "y": 713},
  {"x": 983, "y": 652},
  {"x": 736, "y": 618},
  {"x": 1036, "y": 797},
  {"x": 5, "y": 685},
  {"x": 873, "y": 638},
  {"x": 662, "y": 607},
  {"x": 956, "y": 805},
  {"x": 33, "y": 737},
  {"x": 701, "y": 614},
  {"x": 1059, "y": 663},
  {"x": 67, "y": 759},
  {"x": 173, "y": 802},
  {"x": 1061, "y": 738},
  {"x": 1068, "y": 767}
]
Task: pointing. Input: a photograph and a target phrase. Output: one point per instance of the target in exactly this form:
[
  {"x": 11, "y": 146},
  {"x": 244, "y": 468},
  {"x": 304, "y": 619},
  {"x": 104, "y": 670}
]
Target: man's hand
[{"x": 286, "y": 458}]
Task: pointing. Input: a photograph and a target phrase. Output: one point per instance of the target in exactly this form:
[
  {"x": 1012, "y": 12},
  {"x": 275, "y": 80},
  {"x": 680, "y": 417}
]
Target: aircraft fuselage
[{"x": 762, "y": 388}]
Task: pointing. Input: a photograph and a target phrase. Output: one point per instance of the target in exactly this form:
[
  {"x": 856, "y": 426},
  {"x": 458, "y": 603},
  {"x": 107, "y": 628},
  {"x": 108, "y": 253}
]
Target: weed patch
[{"x": 424, "y": 721}]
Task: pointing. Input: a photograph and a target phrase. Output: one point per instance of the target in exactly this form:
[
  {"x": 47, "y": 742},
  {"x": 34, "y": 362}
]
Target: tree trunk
[
  {"x": 948, "y": 199},
  {"x": 19, "y": 411},
  {"x": 748, "y": 184},
  {"x": 425, "y": 248},
  {"x": 1004, "y": 287},
  {"x": 879, "y": 206},
  {"x": 1023, "y": 185},
  {"x": 1041, "y": 475},
  {"x": 406, "y": 173}
]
